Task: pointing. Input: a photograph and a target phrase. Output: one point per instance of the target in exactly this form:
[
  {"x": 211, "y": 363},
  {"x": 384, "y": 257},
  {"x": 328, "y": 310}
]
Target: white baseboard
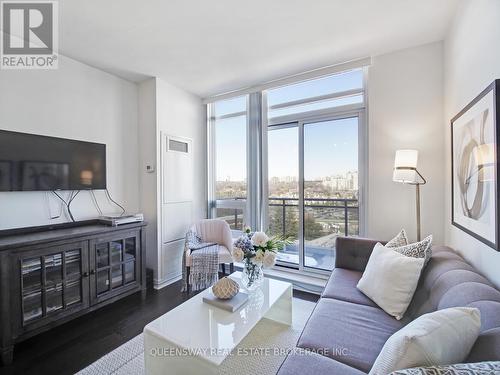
[{"x": 158, "y": 284}]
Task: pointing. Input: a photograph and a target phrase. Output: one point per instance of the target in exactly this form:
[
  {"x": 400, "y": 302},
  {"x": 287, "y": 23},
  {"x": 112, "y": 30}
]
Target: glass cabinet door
[
  {"x": 115, "y": 262},
  {"x": 73, "y": 286},
  {"x": 51, "y": 282},
  {"x": 129, "y": 267},
  {"x": 32, "y": 288}
]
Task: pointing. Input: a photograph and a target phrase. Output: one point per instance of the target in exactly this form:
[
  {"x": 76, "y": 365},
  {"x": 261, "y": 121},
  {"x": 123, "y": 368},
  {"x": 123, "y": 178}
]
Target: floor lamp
[{"x": 405, "y": 171}]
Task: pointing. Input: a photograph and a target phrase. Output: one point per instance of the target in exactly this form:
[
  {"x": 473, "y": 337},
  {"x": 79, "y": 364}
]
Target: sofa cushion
[
  {"x": 353, "y": 252},
  {"x": 486, "y": 347},
  {"x": 342, "y": 286},
  {"x": 451, "y": 279},
  {"x": 465, "y": 293},
  {"x": 353, "y": 334},
  {"x": 224, "y": 256},
  {"x": 490, "y": 314},
  {"x": 312, "y": 363},
  {"x": 442, "y": 261},
  {"x": 445, "y": 270}
]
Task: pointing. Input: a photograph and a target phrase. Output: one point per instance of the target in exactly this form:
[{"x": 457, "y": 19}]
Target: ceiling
[{"x": 211, "y": 47}]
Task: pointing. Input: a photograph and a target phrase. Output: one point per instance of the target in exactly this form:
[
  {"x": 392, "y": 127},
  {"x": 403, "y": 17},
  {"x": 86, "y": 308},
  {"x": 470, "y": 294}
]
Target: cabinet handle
[
  {"x": 85, "y": 274},
  {"x": 92, "y": 272}
]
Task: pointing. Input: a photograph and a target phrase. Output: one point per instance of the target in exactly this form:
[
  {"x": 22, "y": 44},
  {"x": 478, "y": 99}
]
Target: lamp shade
[{"x": 405, "y": 165}]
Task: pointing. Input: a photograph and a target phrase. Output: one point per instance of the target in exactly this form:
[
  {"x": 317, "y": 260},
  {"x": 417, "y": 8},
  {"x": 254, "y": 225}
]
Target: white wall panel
[
  {"x": 177, "y": 218},
  {"x": 171, "y": 263}
]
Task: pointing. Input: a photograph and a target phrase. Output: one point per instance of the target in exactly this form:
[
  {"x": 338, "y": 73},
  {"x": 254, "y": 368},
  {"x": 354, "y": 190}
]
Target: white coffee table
[{"x": 194, "y": 338}]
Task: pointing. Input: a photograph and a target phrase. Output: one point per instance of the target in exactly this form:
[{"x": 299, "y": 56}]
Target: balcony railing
[
  {"x": 339, "y": 212},
  {"x": 324, "y": 220}
]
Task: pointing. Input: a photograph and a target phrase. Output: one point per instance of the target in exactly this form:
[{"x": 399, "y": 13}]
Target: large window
[
  {"x": 231, "y": 158},
  {"x": 326, "y": 93},
  {"x": 303, "y": 176},
  {"x": 229, "y": 153}
]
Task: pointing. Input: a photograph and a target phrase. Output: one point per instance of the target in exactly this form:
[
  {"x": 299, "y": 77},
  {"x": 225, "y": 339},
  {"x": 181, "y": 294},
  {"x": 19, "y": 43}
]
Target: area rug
[{"x": 265, "y": 349}]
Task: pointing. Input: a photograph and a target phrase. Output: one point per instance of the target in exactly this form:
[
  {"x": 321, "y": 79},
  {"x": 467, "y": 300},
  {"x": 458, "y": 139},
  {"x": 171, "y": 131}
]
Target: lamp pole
[{"x": 417, "y": 186}]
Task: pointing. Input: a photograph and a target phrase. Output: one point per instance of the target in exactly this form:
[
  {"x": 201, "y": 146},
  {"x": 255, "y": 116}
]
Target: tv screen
[{"x": 31, "y": 162}]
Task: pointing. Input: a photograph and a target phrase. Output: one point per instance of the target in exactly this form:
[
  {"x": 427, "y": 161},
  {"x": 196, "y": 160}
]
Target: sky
[{"x": 330, "y": 147}]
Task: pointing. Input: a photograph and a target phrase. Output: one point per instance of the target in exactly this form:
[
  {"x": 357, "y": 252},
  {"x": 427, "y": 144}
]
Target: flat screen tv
[{"x": 30, "y": 162}]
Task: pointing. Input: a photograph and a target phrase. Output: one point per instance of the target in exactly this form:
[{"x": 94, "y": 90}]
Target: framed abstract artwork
[{"x": 474, "y": 147}]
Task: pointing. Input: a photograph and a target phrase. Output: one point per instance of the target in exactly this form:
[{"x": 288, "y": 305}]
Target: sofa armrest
[{"x": 353, "y": 252}]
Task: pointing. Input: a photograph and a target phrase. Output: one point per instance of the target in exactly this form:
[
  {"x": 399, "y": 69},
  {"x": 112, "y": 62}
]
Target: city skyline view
[{"x": 328, "y": 150}]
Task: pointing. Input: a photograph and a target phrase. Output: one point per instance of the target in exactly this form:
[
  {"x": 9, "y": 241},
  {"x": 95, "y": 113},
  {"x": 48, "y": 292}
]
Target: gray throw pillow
[
  {"x": 402, "y": 245},
  {"x": 400, "y": 240},
  {"x": 422, "y": 249},
  {"x": 195, "y": 242},
  {"x": 480, "y": 368}
]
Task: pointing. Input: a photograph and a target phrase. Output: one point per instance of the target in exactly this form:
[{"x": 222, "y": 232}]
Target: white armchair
[{"x": 218, "y": 231}]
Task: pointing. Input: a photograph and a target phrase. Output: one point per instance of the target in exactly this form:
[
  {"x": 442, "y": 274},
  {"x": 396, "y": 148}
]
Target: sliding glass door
[
  {"x": 313, "y": 187},
  {"x": 330, "y": 170}
]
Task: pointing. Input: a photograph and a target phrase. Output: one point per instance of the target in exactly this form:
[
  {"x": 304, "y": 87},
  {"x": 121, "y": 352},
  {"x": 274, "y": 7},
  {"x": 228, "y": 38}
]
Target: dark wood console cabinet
[{"x": 50, "y": 276}]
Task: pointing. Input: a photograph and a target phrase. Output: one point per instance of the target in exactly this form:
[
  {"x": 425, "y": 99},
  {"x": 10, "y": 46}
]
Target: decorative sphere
[{"x": 225, "y": 288}]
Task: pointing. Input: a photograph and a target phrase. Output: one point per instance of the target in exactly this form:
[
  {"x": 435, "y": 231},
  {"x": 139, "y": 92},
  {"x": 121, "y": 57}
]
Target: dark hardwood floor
[{"x": 73, "y": 346}]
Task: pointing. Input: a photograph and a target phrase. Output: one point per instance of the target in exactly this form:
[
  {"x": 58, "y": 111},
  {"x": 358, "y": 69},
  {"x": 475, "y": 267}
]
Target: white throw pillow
[
  {"x": 390, "y": 279},
  {"x": 439, "y": 338}
]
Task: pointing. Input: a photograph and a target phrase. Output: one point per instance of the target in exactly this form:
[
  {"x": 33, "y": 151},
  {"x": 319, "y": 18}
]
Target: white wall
[
  {"x": 79, "y": 102},
  {"x": 148, "y": 156},
  {"x": 405, "y": 91},
  {"x": 472, "y": 62}
]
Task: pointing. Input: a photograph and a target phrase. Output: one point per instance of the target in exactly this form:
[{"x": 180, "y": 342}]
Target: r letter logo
[{"x": 29, "y": 35}]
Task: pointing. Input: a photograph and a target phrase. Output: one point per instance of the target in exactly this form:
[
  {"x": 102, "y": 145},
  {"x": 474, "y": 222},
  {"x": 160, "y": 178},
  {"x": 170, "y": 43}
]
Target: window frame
[
  {"x": 257, "y": 178},
  {"x": 307, "y": 118},
  {"x": 211, "y": 178}
]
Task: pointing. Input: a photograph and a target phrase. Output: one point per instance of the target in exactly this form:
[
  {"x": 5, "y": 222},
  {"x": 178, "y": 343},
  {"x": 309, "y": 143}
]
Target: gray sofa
[{"x": 347, "y": 330}]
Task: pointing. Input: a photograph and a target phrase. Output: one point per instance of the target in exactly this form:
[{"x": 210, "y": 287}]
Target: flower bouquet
[{"x": 256, "y": 250}]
